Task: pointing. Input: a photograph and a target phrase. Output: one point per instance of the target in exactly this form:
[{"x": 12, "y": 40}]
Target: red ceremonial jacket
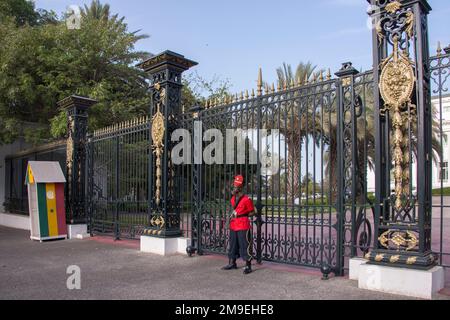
[{"x": 244, "y": 207}]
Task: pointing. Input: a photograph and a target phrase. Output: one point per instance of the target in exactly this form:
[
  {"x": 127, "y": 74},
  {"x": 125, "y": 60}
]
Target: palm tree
[
  {"x": 97, "y": 11},
  {"x": 303, "y": 71},
  {"x": 293, "y": 128}
]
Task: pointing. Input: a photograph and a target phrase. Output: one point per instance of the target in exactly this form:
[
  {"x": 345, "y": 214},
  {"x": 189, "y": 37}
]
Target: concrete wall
[
  {"x": 6, "y": 150},
  {"x": 15, "y": 221}
]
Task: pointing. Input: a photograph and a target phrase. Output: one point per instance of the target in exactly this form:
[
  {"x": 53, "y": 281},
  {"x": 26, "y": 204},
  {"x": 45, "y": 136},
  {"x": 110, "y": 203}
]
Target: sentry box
[{"x": 45, "y": 181}]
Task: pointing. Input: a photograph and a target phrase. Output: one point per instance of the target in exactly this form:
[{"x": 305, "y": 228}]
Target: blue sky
[{"x": 232, "y": 39}]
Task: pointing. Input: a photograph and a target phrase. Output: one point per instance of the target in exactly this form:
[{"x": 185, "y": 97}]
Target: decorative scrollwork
[
  {"x": 158, "y": 130},
  {"x": 157, "y": 222},
  {"x": 398, "y": 23},
  {"x": 399, "y": 239}
]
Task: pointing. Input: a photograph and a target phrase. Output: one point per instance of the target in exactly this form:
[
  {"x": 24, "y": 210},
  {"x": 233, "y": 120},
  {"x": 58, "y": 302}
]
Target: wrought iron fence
[
  {"x": 299, "y": 206},
  {"x": 118, "y": 179},
  {"x": 440, "y": 84},
  {"x": 16, "y": 194},
  {"x": 297, "y": 193}
]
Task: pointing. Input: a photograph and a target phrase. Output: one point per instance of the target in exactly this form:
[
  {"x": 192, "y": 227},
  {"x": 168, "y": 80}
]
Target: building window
[{"x": 443, "y": 174}]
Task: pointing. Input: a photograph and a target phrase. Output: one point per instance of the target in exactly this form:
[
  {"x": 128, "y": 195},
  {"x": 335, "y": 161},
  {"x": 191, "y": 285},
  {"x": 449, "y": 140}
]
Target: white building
[{"x": 439, "y": 176}]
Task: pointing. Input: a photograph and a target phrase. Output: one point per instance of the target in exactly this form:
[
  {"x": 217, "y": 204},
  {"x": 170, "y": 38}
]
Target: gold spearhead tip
[
  {"x": 260, "y": 77},
  {"x": 260, "y": 82}
]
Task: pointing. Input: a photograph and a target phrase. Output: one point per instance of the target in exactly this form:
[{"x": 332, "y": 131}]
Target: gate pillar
[
  {"x": 77, "y": 118},
  {"x": 165, "y": 72},
  {"x": 403, "y": 154},
  {"x": 402, "y": 129}
]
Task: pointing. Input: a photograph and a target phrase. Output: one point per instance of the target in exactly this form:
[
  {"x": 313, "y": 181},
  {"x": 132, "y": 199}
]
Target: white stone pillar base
[
  {"x": 164, "y": 246},
  {"x": 354, "y": 264},
  {"x": 408, "y": 282},
  {"x": 77, "y": 231}
]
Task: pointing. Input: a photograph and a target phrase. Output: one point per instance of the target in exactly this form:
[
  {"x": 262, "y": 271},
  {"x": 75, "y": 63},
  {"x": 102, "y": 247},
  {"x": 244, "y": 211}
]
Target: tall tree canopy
[
  {"x": 42, "y": 61},
  {"x": 41, "y": 64},
  {"x": 24, "y": 12}
]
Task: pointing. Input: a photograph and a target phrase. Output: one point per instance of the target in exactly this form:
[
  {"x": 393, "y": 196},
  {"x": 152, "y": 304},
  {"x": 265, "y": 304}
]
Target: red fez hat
[{"x": 238, "y": 181}]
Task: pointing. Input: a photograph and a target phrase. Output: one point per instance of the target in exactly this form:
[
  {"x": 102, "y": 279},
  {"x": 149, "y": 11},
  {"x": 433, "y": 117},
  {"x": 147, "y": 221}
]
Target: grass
[{"x": 439, "y": 191}]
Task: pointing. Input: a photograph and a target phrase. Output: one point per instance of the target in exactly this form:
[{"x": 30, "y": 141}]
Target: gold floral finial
[
  {"x": 393, "y": 6},
  {"x": 379, "y": 257}
]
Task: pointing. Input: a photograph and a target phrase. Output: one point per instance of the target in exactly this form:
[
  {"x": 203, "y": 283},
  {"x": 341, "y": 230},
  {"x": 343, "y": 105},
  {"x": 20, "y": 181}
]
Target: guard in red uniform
[{"x": 240, "y": 234}]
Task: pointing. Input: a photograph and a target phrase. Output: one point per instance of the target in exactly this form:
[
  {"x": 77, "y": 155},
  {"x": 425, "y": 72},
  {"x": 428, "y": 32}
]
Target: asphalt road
[{"x": 34, "y": 270}]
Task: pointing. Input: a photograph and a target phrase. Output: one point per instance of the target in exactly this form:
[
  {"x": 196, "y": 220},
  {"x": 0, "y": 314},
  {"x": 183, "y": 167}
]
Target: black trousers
[{"x": 241, "y": 245}]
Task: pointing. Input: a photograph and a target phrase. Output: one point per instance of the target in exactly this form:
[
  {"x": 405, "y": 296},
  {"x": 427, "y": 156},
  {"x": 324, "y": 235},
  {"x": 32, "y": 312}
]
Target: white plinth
[
  {"x": 77, "y": 231},
  {"x": 354, "y": 264},
  {"x": 408, "y": 282},
  {"x": 164, "y": 246},
  {"x": 15, "y": 221}
]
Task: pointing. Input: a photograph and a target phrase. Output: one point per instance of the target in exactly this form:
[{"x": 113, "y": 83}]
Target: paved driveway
[{"x": 33, "y": 270}]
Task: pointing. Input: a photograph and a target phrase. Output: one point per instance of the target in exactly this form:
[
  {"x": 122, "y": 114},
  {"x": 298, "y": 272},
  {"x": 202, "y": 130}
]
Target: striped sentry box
[{"x": 45, "y": 182}]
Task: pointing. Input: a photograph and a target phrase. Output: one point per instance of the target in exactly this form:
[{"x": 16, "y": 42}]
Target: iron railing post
[
  {"x": 89, "y": 183},
  {"x": 259, "y": 205},
  {"x": 117, "y": 188},
  {"x": 346, "y": 160},
  {"x": 196, "y": 200}
]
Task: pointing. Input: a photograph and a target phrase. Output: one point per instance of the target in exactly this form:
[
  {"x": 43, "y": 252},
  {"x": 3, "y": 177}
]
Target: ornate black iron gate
[
  {"x": 303, "y": 150},
  {"x": 118, "y": 179}
]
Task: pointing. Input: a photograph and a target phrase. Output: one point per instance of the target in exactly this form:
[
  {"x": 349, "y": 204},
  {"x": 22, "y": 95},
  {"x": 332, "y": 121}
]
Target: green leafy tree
[
  {"x": 24, "y": 12},
  {"x": 42, "y": 64},
  {"x": 198, "y": 89}
]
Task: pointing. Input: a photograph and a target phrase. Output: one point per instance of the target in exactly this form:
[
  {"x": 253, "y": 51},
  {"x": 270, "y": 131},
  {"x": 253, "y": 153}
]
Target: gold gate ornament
[
  {"x": 396, "y": 87},
  {"x": 158, "y": 130}
]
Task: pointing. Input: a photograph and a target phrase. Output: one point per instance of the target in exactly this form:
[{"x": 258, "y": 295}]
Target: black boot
[
  {"x": 248, "y": 267},
  {"x": 231, "y": 265}
]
